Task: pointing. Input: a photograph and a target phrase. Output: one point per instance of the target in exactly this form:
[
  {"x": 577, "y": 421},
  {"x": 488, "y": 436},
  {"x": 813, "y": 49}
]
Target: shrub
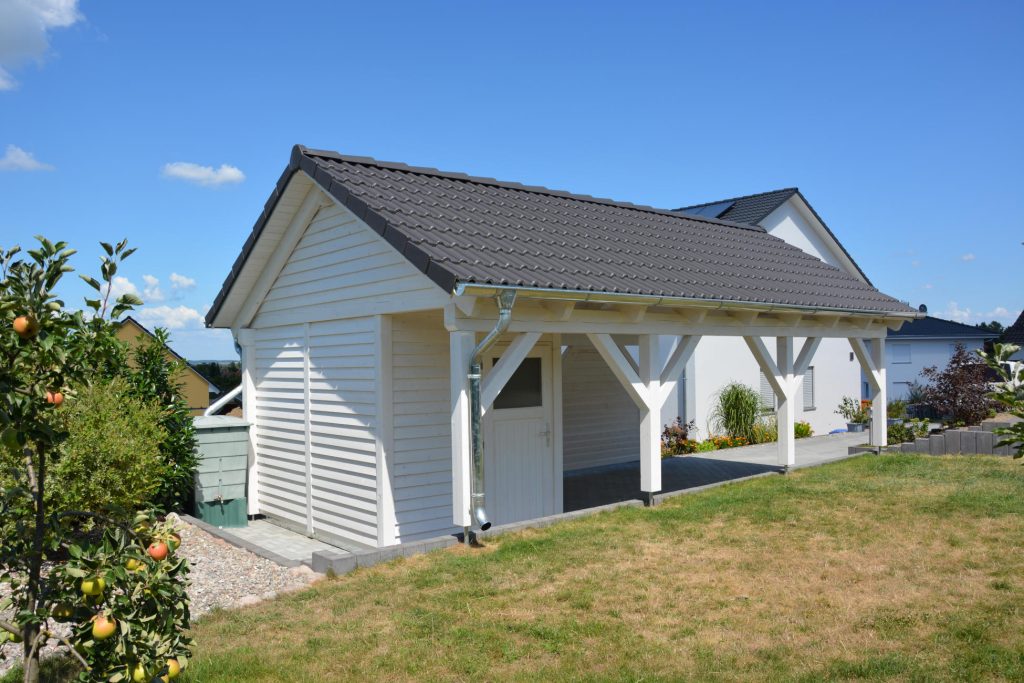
[
  {"x": 765, "y": 430},
  {"x": 721, "y": 442},
  {"x": 111, "y": 458},
  {"x": 959, "y": 392},
  {"x": 153, "y": 379},
  {"x": 853, "y": 411},
  {"x": 676, "y": 438},
  {"x": 1008, "y": 392},
  {"x": 705, "y": 446},
  {"x": 897, "y": 409},
  {"x": 737, "y": 411},
  {"x": 802, "y": 430}
]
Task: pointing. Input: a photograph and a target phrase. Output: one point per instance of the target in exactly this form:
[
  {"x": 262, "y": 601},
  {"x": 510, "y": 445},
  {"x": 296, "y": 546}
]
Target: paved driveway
[{"x": 612, "y": 483}]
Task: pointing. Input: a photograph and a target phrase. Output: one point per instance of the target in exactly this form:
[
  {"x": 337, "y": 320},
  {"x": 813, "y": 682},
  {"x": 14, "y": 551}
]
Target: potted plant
[
  {"x": 897, "y": 412},
  {"x": 855, "y": 414}
]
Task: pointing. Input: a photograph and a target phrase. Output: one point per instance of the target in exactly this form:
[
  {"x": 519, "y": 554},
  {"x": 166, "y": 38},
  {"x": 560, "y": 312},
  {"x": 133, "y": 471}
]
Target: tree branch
[
  {"x": 10, "y": 628},
  {"x": 73, "y": 650}
]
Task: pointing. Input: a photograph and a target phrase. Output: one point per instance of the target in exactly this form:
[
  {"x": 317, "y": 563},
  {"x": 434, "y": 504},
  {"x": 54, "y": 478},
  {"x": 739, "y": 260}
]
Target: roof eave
[{"x": 483, "y": 289}]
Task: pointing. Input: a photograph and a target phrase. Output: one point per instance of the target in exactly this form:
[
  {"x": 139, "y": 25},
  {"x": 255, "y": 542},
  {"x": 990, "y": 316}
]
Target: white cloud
[
  {"x": 203, "y": 175},
  {"x": 928, "y": 285},
  {"x": 17, "y": 159},
  {"x": 171, "y": 317},
  {"x": 915, "y": 263},
  {"x": 182, "y": 282},
  {"x": 968, "y": 257},
  {"x": 122, "y": 285},
  {"x": 969, "y": 316},
  {"x": 24, "y": 31},
  {"x": 152, "y": 292}
]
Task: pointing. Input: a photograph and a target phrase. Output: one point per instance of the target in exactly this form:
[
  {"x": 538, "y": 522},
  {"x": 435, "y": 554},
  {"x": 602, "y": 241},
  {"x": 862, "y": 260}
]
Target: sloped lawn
[{"x": 893, "y": 567}]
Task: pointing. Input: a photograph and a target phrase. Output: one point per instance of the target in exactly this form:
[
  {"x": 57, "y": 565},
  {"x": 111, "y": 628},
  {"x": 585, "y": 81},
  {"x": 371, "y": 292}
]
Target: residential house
[
  {"x": 420, "y": 348},
  {"x": 924, "y": 343},
  {"x": 195, "y": 389},
  {"x": 835, "y": 373},
  {"x": 1014, "y": 334}
]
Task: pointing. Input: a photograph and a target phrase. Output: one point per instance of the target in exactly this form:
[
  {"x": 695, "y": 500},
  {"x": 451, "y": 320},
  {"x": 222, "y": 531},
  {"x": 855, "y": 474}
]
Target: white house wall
[
  {"x": 421, "y": 470},
  {"x": 601, "y": 421},
  {"x": 907, "y": 357},
  {"x": 789, "y": 223},
  {"x": 341, "y": 268},
  {"x": 721, "y": 360}
]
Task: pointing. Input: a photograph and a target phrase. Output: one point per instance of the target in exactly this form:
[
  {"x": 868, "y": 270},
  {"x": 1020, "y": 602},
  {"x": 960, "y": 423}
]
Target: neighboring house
[
  {"x": 924, "y": 343},
  {"x": 196, "y": 389},
  {"x": 1014, "y": 334},
  {"x": 365, "y": 286},
  {"x": 835, "y": 373}
]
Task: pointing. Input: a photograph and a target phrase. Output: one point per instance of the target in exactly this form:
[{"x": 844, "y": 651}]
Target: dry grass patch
[{"x": 893, "y": 567}]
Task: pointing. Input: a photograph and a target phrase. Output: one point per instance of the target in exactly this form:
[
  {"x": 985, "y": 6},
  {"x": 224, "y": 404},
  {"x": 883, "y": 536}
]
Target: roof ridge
[
  {"x": 736, "y": 199},
  {"x": 511, "y": 185}
]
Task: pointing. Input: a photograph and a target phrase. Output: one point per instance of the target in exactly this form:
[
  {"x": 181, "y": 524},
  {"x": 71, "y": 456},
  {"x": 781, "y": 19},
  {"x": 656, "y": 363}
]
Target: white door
[{"x": 519, "y": 460}]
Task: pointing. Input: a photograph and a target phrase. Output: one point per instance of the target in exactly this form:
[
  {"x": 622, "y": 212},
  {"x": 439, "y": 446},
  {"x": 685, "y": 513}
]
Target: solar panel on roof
[{"x": 710, "y": 210}]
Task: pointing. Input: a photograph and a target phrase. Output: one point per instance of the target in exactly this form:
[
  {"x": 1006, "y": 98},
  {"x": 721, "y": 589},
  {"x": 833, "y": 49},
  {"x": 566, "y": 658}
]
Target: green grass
[{"x": 876, "y": 568}]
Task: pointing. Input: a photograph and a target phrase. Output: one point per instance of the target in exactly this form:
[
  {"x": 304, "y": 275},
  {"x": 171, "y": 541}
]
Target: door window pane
[{"x": 523, "y": 389}]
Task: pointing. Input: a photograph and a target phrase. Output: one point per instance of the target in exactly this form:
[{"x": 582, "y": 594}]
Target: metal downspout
[{"x": 477, "y": 507}]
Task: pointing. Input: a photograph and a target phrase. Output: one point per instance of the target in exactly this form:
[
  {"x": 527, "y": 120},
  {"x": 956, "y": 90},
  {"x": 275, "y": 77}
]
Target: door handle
[{"x": 546, "y": 433}]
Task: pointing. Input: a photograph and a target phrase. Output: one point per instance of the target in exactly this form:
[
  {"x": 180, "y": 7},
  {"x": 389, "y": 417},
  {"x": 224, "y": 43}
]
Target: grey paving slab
[
  {"x": 280, "y": 541},
  {"x": 596, "y": 486}
]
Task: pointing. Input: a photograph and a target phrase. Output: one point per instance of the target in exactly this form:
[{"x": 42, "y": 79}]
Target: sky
[{"x": 168, "y": 123}]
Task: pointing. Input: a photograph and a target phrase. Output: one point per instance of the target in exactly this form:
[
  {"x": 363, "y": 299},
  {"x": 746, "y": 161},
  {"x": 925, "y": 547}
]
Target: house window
[
  {"x": 524, "y": 387},
  {"x": 809, "y": 389},
  {"x": 900, "y": 353},
  {"x": 767, "y": 394}
]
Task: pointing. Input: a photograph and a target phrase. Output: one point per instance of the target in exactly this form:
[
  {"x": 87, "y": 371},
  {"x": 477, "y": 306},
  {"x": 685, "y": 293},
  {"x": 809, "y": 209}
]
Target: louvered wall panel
[
  {"x": 279, "y": 381},
  {"x": 343, "y": 424}
]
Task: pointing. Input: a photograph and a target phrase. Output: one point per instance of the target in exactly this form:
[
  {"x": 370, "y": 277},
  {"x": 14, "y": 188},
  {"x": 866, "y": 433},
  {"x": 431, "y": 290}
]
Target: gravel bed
[{"x": 222, "y": 575}]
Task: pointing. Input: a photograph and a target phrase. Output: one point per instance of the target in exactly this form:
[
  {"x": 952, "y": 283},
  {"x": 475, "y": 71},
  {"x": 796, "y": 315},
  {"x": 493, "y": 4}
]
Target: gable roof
[
  {"x": 460, "y": 229},
  {"x": 937, "y": 327},
  {"x": 754, "y": 208},
  {"x": 1014, "y": 334},
  {"x": 750, "y": 209}
]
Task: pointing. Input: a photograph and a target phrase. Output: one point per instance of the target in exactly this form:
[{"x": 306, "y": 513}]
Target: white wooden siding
[
  {"x": 280, "y": 412},
  {"x": 421, "y": 473},
  {"x": 601, "y": 422},
  {"x": 316, "y": 406},
  {"x": 341, "y": 268}
]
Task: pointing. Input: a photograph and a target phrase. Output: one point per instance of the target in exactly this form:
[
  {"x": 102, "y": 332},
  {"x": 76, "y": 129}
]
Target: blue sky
[{"x": 900, "y": 122}]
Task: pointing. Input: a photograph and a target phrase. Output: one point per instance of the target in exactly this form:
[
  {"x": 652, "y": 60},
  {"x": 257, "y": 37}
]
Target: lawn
[
  {"x": 893, "y": 567},
  {"x": 902, "y": 567}
]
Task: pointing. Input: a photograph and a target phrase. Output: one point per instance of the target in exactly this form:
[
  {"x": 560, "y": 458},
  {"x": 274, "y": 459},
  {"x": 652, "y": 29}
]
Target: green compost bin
[{"x": 222, "y": 443}]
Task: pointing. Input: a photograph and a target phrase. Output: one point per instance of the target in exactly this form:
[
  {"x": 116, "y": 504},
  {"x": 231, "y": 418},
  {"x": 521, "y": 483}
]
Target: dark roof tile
[
  {"x": 479, "y": 230},
  {"x": 937, "y": 327}
]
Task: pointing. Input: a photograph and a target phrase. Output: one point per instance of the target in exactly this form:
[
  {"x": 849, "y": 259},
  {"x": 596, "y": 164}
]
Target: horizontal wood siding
[
  {"x": 342, "y": 429},
  {"x": 341, "y": 268},
  {"x": 601, "y": 422},
  {"x": 280, "y": 412},
  {"x": 422, "y": 465}
]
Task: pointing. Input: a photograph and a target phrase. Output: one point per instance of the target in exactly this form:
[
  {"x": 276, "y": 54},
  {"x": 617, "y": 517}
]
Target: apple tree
[{"x": 112, "y": 578}]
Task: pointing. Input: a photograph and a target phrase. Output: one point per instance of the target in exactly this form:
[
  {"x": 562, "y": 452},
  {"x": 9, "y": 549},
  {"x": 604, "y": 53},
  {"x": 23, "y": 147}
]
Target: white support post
[
  {"x": 249, "y": 415},
  {"x": 879, "y": 406},
  {"x": 786, "y": 410},
  {"x": 872, "y": 361},
  {"x": 784, "y": 374},
  {"x": 461, "y": 345},
  {"x": 650, "y": 417}
]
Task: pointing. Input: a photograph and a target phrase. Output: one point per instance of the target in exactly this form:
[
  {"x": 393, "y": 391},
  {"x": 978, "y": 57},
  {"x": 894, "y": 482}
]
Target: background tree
[
  {"x": 959, "y": 392},
  {"x": 994, "y": 327}
]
